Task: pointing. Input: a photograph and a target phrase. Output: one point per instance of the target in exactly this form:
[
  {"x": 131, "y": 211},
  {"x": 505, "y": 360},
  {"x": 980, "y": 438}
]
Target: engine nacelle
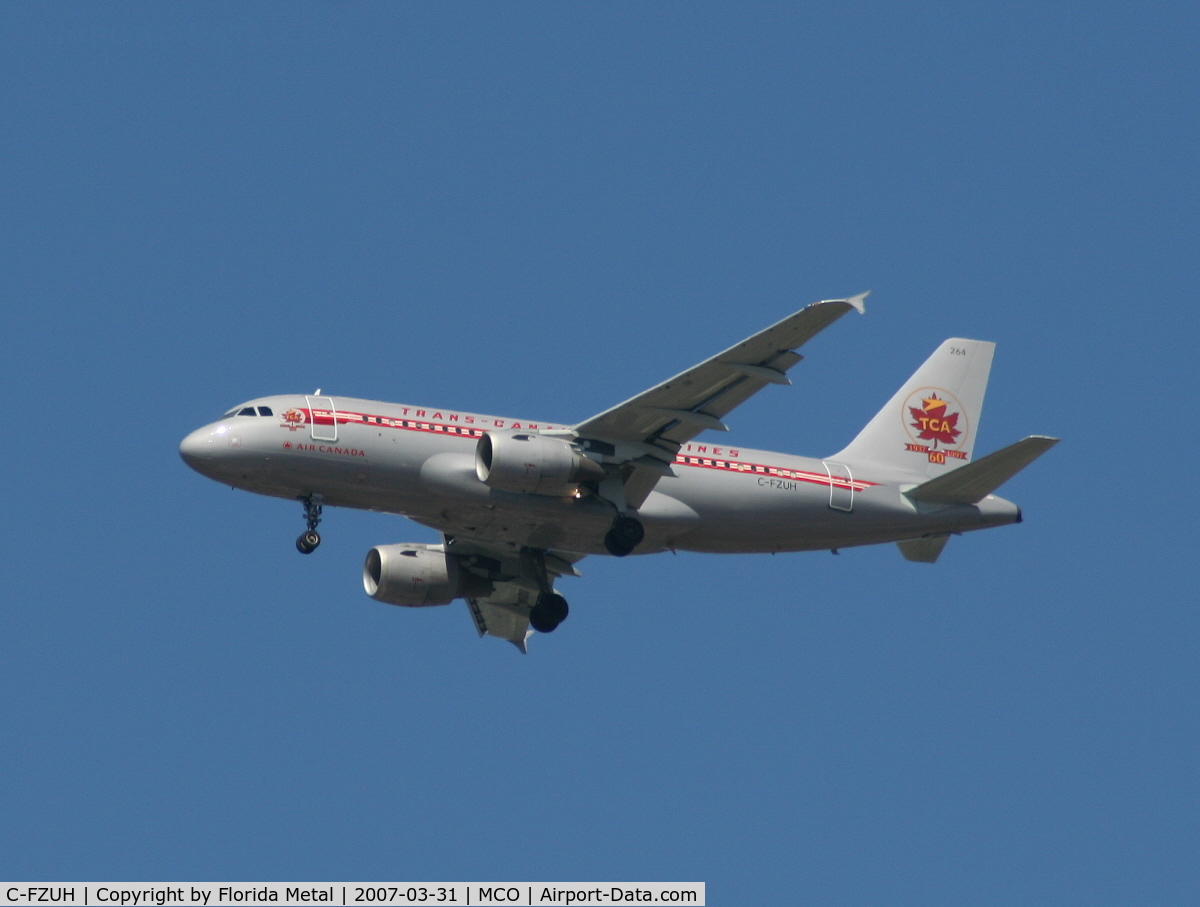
[
  {"x": 417, "y": 575},
  {"x": 530, "y": 463}
]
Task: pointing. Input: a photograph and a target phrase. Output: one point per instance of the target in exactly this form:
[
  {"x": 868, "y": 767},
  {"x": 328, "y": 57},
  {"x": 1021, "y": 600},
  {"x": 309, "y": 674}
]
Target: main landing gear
[
  {"x": 550, "y": 609},
  {"x": 625, "y": 535},
  {"x": 309, "y": 540}
]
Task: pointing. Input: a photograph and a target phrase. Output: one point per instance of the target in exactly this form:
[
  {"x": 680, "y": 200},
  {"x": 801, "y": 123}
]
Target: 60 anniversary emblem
[{"x": 934, "y": 415}]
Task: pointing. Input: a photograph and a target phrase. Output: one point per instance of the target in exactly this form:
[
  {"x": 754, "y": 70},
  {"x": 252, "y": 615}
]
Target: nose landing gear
[{"x": 309, "y": 540}]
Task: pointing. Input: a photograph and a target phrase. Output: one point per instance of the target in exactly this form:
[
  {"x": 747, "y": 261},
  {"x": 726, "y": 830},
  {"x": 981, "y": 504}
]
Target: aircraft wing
[
  {"x": 505, "y": 612},
  {"x": 652, "y": 426},
  {"x": 504, "y": 620}
]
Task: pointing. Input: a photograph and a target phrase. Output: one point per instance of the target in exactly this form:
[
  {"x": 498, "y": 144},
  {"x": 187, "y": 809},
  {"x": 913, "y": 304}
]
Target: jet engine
[
  {"x": 417, "y": 575},
  {"x": 532, "y": 464}
]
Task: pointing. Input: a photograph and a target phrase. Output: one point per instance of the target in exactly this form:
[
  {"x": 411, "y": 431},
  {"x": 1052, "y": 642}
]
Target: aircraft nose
[{"x": 197, "y": 448}]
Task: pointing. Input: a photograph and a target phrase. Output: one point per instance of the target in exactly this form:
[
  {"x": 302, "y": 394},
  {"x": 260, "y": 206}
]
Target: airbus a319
[{"x": 519, "y": 503}]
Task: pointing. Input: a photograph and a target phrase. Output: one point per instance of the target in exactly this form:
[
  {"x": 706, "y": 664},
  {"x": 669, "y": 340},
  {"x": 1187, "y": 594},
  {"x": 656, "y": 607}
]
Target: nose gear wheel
[{"x": 309, "y": 540}]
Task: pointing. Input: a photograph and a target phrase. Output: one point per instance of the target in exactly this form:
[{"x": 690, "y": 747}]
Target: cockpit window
[{"x": 248, "y": 411}]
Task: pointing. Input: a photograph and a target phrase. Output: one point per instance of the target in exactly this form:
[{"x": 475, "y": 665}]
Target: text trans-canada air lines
[{"x": 519, "y": 503}]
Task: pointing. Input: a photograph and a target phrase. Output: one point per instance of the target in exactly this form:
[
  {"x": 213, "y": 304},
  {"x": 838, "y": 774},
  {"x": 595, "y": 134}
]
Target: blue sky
[{"x": 537, "y": 210}]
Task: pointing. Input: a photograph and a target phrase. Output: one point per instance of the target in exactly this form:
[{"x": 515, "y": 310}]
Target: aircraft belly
[
  {"x": 746, "y": 513},
  {"x": 456, "y": 502},
  {"x": 739, "y": 513}
]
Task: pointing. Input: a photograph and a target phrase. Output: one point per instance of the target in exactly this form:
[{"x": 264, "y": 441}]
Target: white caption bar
[{"x": 350, "y": 894}]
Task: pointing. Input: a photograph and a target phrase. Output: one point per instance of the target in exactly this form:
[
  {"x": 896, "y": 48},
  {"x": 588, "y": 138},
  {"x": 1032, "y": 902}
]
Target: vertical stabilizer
[
  {"x": 928, "y": 428},
  {"x": 923, "y": 550}
]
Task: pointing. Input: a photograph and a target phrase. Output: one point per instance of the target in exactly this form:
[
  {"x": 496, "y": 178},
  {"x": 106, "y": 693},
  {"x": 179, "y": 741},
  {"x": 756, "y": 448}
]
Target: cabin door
[
  {"x": 841, "y": 487},
  {"x": 322, "y": 418}
]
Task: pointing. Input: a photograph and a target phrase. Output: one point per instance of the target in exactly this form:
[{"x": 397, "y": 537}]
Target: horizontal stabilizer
[
  {"x": 923, "y": 551},
  {"x": 975, "y": 481}
]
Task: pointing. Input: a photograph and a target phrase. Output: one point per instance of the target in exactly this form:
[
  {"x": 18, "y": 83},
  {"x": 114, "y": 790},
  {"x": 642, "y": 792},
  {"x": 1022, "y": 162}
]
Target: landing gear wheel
[
  {"x": 550, "y": 611},
  {"x": 308, "y": 542},
  {"x": 625, "y": 535}
]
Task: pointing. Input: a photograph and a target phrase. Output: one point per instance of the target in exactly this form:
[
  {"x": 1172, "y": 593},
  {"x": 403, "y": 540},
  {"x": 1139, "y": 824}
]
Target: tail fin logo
[
  {"x": 933, "y": 422},
  {"x": 934, "y": 415}
]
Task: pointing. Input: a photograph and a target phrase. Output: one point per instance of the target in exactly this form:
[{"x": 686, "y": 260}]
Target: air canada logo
[
  {"x": 292, "y": 419},
  {"x": 936, "y": 418}
]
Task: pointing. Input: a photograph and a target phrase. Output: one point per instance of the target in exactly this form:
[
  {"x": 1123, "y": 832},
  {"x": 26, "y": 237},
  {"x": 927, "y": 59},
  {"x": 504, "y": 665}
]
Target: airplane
[{"x": 519, "y": 503}]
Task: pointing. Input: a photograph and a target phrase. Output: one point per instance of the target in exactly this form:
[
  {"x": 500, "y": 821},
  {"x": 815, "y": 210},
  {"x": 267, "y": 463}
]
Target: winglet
[{"x": 856, "y": 302}]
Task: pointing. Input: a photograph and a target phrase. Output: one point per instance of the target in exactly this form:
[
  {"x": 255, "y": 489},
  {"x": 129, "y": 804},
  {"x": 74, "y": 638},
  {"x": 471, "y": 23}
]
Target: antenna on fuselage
[{"x": 318, "y": 393}]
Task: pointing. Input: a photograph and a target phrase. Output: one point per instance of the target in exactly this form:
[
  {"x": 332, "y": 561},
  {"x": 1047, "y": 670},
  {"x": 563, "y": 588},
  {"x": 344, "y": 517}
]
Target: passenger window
[
  {"x": 265, "y": 411},
  {"x": 247, "y": 411}
]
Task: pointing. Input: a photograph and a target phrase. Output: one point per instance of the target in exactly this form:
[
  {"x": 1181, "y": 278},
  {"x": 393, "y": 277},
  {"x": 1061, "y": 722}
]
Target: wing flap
[
  {"x": 504, "y": 613},
  {"x": 501, "y": 621}
]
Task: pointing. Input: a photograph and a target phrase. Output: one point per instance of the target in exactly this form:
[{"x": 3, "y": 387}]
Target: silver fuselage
[{"x": 420, "y": 462}]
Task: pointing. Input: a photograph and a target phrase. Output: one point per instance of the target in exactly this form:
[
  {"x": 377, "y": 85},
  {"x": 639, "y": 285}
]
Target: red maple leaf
[{"x": 932, "y": 421}]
